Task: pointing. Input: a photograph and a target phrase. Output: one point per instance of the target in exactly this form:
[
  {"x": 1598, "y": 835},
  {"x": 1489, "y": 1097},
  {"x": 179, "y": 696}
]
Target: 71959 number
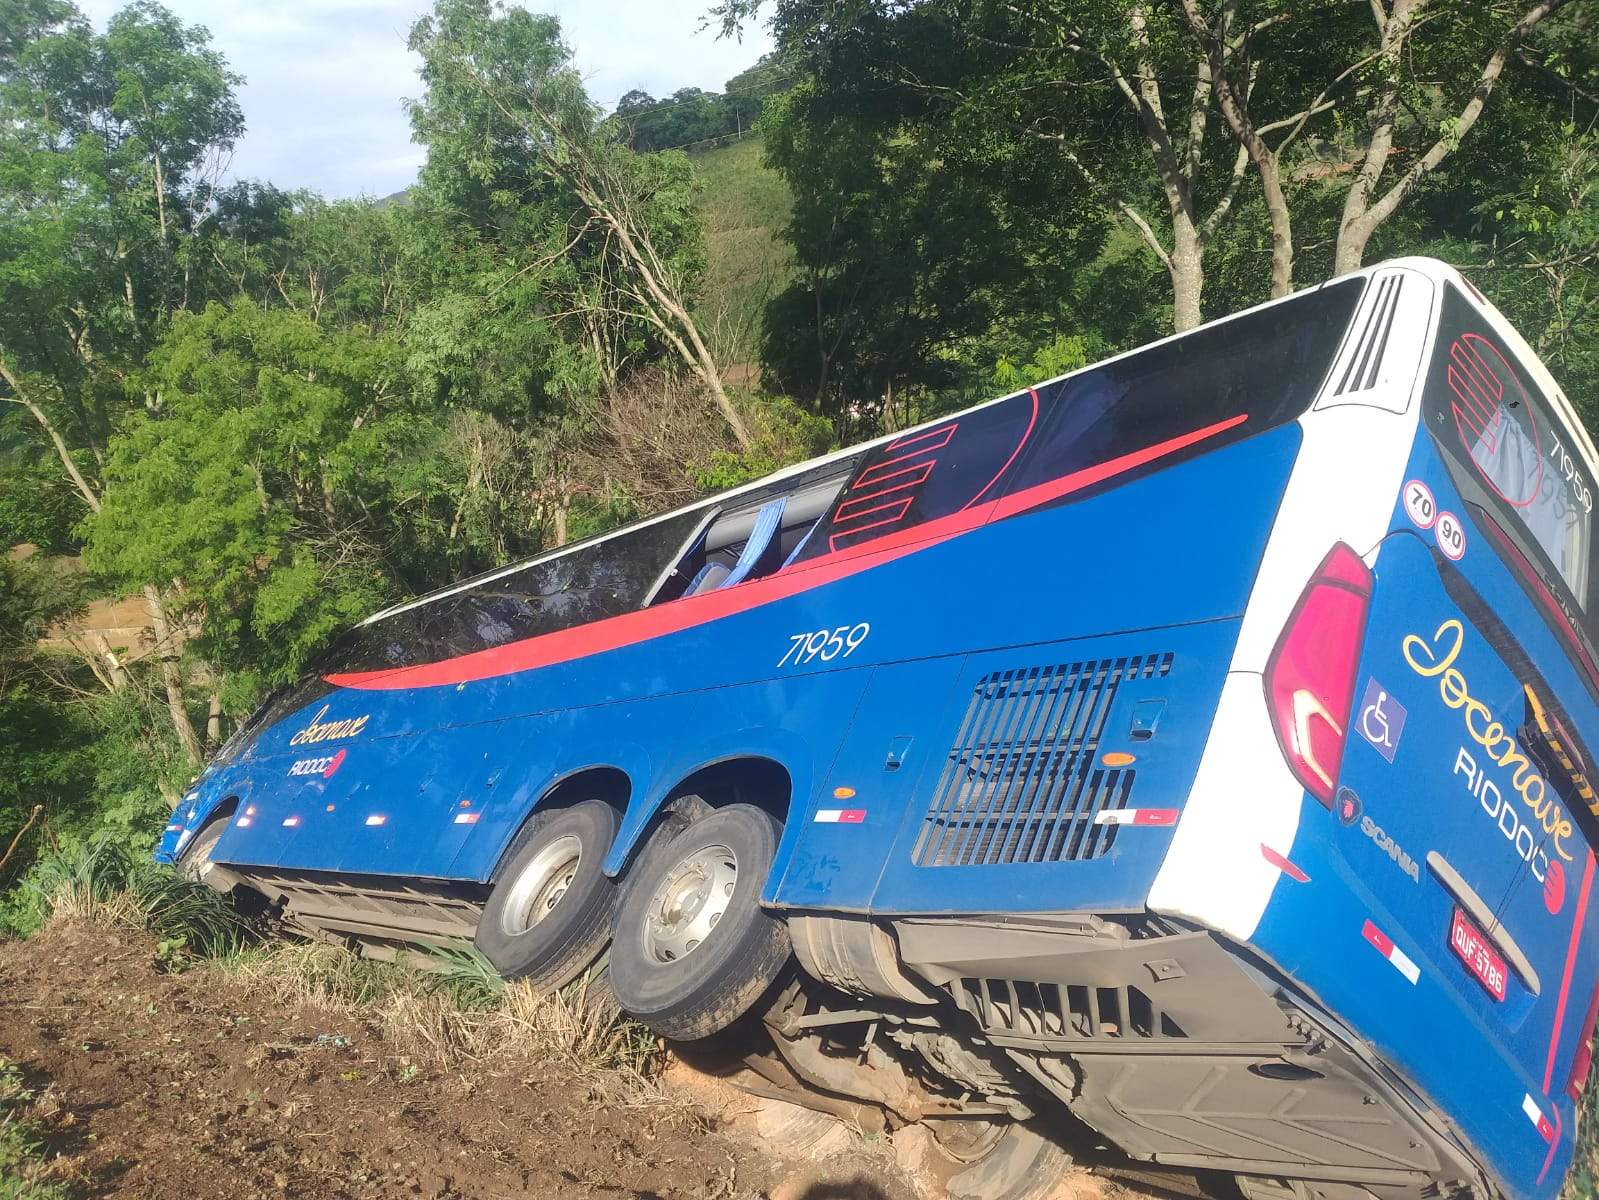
[{"x": 824, "y": 644}]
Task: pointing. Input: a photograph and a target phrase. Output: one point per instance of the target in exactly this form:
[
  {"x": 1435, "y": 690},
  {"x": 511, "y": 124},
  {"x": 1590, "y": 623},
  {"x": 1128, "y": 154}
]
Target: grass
[
  {"x": 746, "y": 205},
  {"x": 1583, "y": 1181},
  {"x": 24, "y": 1167},
  {"x": 103, "y": 880},
  {"x": 462, "y": 1011}
]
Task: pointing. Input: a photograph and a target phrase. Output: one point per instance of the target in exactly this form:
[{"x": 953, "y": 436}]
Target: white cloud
[{"x": 324, "y": 79}]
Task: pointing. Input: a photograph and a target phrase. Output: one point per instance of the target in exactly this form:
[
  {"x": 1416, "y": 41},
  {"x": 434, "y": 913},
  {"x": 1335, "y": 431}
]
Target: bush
[{"x": 103, "y": 879}]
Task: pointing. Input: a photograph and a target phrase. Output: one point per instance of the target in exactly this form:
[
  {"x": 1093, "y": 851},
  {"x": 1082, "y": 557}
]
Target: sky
[{"x": 324, "y": 79}]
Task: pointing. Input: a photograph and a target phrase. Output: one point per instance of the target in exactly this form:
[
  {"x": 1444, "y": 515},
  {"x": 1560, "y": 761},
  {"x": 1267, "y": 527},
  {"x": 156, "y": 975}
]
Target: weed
[
  {"x": 102, "y": 880},
  {"x": 469, "y": 979},
  {"x": 24, "y": 1169}
]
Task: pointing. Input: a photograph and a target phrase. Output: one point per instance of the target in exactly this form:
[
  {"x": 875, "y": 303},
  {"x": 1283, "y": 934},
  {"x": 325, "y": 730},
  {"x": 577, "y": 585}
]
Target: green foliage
[
  {"x": 103, "y": 878},
  {"x": 24, "y": 1161},
  {"x": 466, "y": 977},
  {"x": 38, "y": 506},
  {"x": 1063, "y": 353},
  {"x": 288, "y": 479},
  {"x": 747, "y": 262},
  {"x": 691, "y": 117}
]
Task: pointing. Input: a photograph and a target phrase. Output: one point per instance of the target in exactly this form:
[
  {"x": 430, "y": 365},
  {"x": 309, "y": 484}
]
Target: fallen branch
[{"x": 32, "y": 817}]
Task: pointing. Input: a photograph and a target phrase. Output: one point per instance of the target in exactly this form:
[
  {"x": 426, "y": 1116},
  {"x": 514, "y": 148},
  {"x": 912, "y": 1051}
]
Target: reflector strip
[
  {"x": 1283, "y": 864},
  {"x": 242, "y": 823},
  {"x": 173, "y": 828},
  {"x": 467, "y": 818},
  {"x": 1137, "y": 816},
  {"x": 840, "y": 816},
  {"x": 1545, "y": 1127},
  {"x": 376, "y": 819},
  {"x": 1384, "y": 945},
  {"x": 291, "y": 822}
]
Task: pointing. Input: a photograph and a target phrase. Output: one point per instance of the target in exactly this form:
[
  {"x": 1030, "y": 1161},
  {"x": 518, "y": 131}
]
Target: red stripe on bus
[
  {"x": 1553, "y": 1138},
  {"x": 1571, "y": 963},
  {"x": 627, "y": 629},
  {"x": 1026, "y": 434}
]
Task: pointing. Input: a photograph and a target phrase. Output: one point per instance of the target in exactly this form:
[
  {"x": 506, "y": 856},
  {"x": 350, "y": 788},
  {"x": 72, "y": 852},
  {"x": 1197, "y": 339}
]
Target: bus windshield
[{"x": 1510, "y": 455}]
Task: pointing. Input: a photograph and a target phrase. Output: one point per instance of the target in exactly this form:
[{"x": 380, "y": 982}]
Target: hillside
[{"x": 746, "y": 206}]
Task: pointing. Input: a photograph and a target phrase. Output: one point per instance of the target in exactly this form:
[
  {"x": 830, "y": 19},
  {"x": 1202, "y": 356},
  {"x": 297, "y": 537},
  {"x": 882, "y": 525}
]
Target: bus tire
[
  {"x": 194, "y": 861},
  {"x": 549, "y": 916},
  {"x": 693, "y": 949},
  {"x": 1018, "y": 1163}
]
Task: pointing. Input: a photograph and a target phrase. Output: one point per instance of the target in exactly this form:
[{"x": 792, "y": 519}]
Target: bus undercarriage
[{"x": 1174, "y": 1053}]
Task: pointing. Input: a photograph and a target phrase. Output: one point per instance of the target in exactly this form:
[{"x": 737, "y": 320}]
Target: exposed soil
[{"x": 155, "y": 1085}]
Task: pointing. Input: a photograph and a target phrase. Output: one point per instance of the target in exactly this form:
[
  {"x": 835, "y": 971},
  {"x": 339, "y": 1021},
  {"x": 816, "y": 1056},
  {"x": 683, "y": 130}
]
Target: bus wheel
[
  {"x": 1002, "y": 1161},
  {"x": 693, "y": 948},
  {"x": 549, "y": 915},
  {"x": 195, "y": 860}
]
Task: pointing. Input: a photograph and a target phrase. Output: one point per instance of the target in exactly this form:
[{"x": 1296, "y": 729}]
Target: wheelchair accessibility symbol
[{"x": 1380, "y": 719}]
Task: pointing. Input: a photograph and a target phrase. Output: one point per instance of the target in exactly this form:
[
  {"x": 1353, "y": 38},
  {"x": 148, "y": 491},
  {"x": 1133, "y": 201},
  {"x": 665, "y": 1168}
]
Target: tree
[
  {"x": 503, "y": 94},
  {"x": 1325, "y": 105},
  {"x": 109, "y": 148},
  {"x": 288, "y": 479},
  {"x": 1118, "y": 93},
  {"x": 1409, "y": 95},
  {"x": 905, "y": 257}
]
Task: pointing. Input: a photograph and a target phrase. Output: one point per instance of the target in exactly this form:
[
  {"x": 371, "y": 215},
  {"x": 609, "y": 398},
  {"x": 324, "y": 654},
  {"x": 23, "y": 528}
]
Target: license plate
[{"x": 1481, "y": 959}]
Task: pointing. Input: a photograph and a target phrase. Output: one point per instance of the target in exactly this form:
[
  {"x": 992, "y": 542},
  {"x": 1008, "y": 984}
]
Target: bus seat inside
[{"x": 767, "y": 522}]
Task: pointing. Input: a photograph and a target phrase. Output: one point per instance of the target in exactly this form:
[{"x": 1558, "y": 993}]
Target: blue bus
[{"x": 1187, "y": 756}]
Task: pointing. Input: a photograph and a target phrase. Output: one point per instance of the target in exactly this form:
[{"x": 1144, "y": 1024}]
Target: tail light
[
  {"x": 1583, "y": 1062},
  {"x": 1310, "y": 677}
]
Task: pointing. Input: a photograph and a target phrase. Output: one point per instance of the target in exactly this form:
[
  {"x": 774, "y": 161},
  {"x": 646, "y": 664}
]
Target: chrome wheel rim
[
  {"x": 689, "y": 903},
  {"x": 541, "y": 885}
]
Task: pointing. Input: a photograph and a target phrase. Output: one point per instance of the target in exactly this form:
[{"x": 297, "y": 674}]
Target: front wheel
[
  {"x": 549, "y": 915},
  {"x": 693, "y": 949},
  {"x": 195, "y": 861}
]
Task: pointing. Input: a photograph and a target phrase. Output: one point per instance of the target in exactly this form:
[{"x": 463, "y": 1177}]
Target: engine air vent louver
[
  {"x": 1056, "y": 1010},
  {"x": 1360, "y": 369},
  {"x": 1020, "y": 783}
]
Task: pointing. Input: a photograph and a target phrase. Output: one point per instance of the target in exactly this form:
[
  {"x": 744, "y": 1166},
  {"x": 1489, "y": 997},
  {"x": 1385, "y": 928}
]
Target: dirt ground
[
  {"x": 156, "y": 1085},
  {"x": 151, "y": 1085}
]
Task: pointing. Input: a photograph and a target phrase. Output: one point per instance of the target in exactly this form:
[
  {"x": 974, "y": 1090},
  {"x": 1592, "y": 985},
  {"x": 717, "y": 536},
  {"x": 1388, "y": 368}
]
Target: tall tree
[
  {"x": 1399, "y": 102},
  {"x": 288, "y": 478},
  {"x": 1119, "y": 94},
  {"x": 110, "y": 147},
  {"x": 504, "y": 98}
]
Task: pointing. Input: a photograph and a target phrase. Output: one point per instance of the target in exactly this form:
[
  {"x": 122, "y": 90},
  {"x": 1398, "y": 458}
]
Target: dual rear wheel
[{"x": 694, "y": 949}]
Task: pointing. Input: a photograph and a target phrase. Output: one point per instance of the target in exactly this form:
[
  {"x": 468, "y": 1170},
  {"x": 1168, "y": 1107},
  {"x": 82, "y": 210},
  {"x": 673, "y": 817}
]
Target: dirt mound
[{"x": 151, "y": 1085}]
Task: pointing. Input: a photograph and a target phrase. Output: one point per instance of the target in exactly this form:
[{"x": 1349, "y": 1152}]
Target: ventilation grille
[
  {"x": 1361, "y": 368},
  {"x": 1060, "y": 1010},
  {"x": 1020, "y": 784}
]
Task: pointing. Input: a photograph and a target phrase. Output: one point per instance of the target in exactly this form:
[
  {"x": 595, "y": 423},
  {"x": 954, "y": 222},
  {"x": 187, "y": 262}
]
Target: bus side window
[{"x": 753, "y": 540}]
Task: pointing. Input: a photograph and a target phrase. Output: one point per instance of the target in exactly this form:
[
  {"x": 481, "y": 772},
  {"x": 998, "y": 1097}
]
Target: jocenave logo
[
  {"x": 325, "y": 731},
  {"x": 1436, "y": 661}
]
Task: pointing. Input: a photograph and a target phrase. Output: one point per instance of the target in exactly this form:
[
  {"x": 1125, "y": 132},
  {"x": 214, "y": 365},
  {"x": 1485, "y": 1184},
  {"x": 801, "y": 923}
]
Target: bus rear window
[{"x": 1510, "y": 454}]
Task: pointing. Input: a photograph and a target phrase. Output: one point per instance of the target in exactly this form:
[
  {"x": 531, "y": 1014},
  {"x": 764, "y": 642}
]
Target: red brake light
[
  {"x": 1310, "y": 677},
  {"x": 1583, "y": 1062}
]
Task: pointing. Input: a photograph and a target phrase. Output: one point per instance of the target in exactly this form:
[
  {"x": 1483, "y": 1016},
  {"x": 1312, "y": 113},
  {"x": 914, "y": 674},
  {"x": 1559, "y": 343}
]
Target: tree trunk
[
  {"x": 171, "y": 677},
  {"x": 116, "y": 674},
  {"x": 1187, "y": 270},
  {"x": 65, "y": 455},
  {"x": 1364, "y": 210}
]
